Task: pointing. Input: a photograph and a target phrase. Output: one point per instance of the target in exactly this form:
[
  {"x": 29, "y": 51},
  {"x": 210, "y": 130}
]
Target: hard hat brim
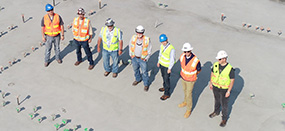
[{"x": 187, "y": 49}]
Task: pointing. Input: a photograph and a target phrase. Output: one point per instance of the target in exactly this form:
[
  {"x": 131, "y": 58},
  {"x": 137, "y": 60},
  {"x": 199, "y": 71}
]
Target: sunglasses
[
  {"x": 50, "y": 10},
  {"x": 187, "y": 51}
]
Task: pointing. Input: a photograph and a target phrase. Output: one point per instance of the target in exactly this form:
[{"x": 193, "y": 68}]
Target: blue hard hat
[
  {"x": 162, "y": 38},
  {"x": 49, "y": 7}
]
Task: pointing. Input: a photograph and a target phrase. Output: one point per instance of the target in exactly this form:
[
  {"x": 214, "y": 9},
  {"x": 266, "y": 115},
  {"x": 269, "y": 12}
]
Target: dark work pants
[
  {"x": 221, "y": 100},
  {"x": 166, "y": 79},
  {"x": 86, "y": 48}
]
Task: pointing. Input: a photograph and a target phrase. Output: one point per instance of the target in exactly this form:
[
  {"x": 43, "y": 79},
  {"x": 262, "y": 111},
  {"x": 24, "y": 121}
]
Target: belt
[{"x": 137, "y": 57}]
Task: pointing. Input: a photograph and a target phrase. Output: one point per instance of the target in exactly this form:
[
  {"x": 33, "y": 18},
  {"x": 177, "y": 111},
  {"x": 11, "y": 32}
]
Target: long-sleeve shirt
[
  {"x": 172, "y": 56},
  {"x": 138, "y": 48}
]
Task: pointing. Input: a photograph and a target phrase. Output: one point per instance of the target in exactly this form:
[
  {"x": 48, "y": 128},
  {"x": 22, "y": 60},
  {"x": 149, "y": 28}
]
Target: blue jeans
[
  {"x": 137, "y": 63},
  {"x": 106, "y": 60},
  {"x": 49, "y": 41},
  {"x": 86, "y": 48},
  {"x": 166, "y": 79}
]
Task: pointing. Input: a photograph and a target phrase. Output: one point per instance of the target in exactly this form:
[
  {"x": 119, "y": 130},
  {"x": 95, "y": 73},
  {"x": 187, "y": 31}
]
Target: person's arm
[
  {"x": 43, "y": 30},
  {"x": 100, "y": 40},
  {"x": 148, "y": 51},
  {"x": 198, "y": 67},
  {"x": 120, "y": 42},
  {"x": 232, "y": 77},
  {"x": 62, "y": 32},
  {"x": 211, "y": 84},
  {"x": 130, "y": 44},
  {"x": 90, "y": 32},
  {"x": 172, "y": 60},
  {"x": 159, "y": 55}
]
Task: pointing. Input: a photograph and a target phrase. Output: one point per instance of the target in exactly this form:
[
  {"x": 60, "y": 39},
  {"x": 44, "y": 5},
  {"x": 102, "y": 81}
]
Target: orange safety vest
[
  {"x": 189, "y": 71},
  {"x": 52, "y": 28},
  {"x": 144, "y": 48},
  {"x": 81, "y": 33}
]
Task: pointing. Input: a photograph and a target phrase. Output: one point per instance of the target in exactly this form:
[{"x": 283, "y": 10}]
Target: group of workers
[{"x": 222, "y": 75}]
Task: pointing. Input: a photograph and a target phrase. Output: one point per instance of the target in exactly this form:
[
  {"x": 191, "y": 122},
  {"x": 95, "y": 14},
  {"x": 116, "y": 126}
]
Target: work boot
[
  {"x": 223, "y": 123},
  {"x": 115, "y": 75},
  {"x": 187, "y": 114},
  {"x": 59, "y": 61},
  {"x": 213, "y": 115},
  {"x": 90, "y": 67},
  {"x": 77, "y": 63},
  {"x": 161, "y": 89},
  {"x": 46, "y": 64},
  {"x": 136, "y": 82},
  {"x": 183, "y": 104},
  {"x": 164, "y": 97},
  {"x": 146, "y": 88}
]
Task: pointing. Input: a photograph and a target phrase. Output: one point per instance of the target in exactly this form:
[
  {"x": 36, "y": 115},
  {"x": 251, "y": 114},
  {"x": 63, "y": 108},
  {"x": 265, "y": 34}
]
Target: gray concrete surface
[{"x": 106, "y": 104}]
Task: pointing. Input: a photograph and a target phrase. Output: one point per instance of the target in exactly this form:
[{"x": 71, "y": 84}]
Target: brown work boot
[
  {"x": 136, "y": 82},
  {"x": 223, "y": 123},
  {"x": 146, "y": 88},
  {"x": 115, "y": 75},
  {"x": 90, "y": 67},
  {"x": 213, "y": 115},
  {"x": 183, "y": 104},
  {"x": 77, "y": 63},
  {"x": 161, "y": 89},
  {"x": 187, "y": 114},
  {"x": 46, "y": 64},
  {"x": 164, "y": 97},
  {"x": 59, "y": 61}
]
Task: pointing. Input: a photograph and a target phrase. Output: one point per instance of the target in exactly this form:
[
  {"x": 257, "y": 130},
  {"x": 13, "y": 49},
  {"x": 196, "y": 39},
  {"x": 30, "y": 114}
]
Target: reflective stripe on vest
[
  {"x": 221, "y": 80},
  {"x": 144, "y": 48},
  {"x": 165, "y": 55},
  {"x": 189, "y": 71},
  {"x": 81, "y": 33},
  {"x": 114, "y": 40},
  {"x": 52, "y": 28}
]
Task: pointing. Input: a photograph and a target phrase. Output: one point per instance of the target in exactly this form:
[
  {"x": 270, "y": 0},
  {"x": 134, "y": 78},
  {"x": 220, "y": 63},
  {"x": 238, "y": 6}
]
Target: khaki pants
[{"x": 188, "y": 87}]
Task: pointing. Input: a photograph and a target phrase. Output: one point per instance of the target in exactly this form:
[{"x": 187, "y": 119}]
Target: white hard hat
[
  {"x": 140, "y": 29},
  {"x": 222, "y": 54},
  {"x": 109, "y": 22},
  {"x": 187, "y": 47},
  {"x": 80, "y": 11}
]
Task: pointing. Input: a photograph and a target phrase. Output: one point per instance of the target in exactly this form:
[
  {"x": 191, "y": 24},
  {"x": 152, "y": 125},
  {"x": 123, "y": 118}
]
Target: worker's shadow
[
  {"x": 201, "y": 83},
  {"x": 236, "y": 90},
  {"x": 174, "y": 76},
  {"x": 68, "y": 49},
  {"x": 152, "y": 66},
  {"x": 123, "y": 59}
]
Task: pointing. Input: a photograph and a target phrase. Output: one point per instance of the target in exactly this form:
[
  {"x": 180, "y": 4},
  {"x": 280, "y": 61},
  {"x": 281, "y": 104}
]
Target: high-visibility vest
[
  {"x": 81, "y": 33},
  {"x": 164, "y": 59},
  {"x": 189, "y": 71},
  {"x": 221, "y": 79},
  {"x": 144, "y": 48},
  {"x": 114, "y": 40},
  {"x": 52, "y": 28}
]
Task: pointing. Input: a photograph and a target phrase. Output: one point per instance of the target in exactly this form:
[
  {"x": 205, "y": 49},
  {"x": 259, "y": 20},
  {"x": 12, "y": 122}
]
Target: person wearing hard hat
[
  {"x": 82, "y": 32},
  {"x": 166, "y": 60},
  {"x": 111, "y": 36},
  {"x": 52, "y": 27},
  {"x": 190, "y": 68},
  {"x": 140, "y": 51},
  {"x": 222, "y": 81}
]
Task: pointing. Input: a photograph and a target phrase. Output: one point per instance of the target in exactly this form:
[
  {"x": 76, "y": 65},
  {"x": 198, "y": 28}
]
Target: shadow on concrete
[
  {"x": 124, "y": 59},
  {"x": 201, "y": 83},
  {"x": 174, "y": 76},
  {"x": 26, "y": 98},
  {"x": 236, "y": 90},
  {"x": 28, "y": 19},
  {"x": 152, "y": 66},
  {"x": 68, "y": 49}
]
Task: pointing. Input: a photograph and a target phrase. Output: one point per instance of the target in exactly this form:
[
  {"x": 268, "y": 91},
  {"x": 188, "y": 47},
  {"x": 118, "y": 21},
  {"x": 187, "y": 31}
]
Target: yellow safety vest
[
  {"x": 164, "y": 59},
  {"x": 221, "y": 80},
  {"x": 144, "y": 48},
  {"x": 114, "y": 40}
]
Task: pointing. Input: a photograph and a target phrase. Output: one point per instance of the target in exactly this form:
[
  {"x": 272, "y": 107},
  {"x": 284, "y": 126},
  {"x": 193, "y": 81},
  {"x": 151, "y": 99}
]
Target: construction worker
[
  {"x": 82, "y": 32},
  {"x": 52, "y": 27},
  {"x": 166, "y": 60},
  {"x": 112, "y": 46},
  {"x": 190, "y": 68},
  {"x": 222, "y": 81},
  {"x": 140, "y": 51}
]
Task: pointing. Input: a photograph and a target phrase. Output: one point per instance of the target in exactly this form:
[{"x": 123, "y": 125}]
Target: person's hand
[
  {"x": 168, "y": 71},
  {"x": 144, "y": 59},
  {"x": 62, "y": 37},
  {"x": 157, "y": 64},
  {"x": 44, "y": 39},
  {"x": 132, "y": 57},
  {"x": 211, "y": 86},
  {"x": 89, "y": 41},
  {"x": 120, "y": 52},
  {"x": 227, "y": 94},
  {"x": 98, "y": 49}
]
